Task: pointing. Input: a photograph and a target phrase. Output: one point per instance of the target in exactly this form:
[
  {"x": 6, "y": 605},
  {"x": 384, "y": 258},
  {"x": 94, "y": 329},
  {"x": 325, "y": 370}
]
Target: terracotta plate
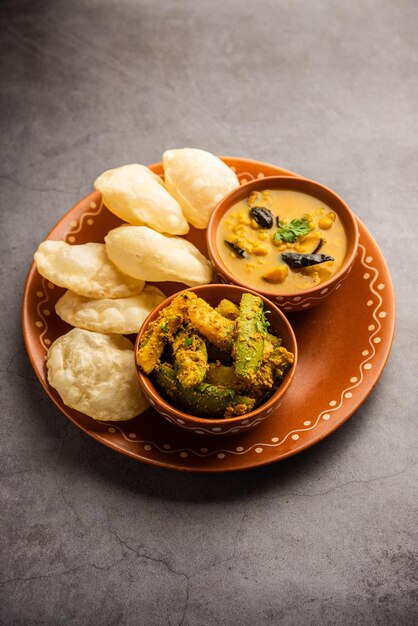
[{"x": 343, "y": 347}]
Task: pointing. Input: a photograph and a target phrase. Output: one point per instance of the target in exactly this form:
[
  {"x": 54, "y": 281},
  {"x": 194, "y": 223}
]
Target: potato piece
[
  {"x": 95, "y": 374},
  {"x": 310, "y": 244},
  {"x": 277, "y": 275},
  {"x": 84, "y": 269},
  {"x": 222, "y": 376},
  {"x": 138, "y": 196},
  {"x": 122, "y": 316},
  {"x": 228, "y": 309},
  {"x": 198, "y": 180},
  {"x": 148, "y": 255}
]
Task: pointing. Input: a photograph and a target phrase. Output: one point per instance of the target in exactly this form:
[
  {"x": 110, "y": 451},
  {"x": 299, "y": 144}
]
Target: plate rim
[{"x": 257, "y": 462}]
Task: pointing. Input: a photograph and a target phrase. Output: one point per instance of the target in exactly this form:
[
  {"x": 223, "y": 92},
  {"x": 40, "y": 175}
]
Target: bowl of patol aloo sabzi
[{"x": 216, "y": 359}]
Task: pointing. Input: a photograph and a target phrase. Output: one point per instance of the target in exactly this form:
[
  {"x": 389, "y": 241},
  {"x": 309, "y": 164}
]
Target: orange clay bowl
[
  {"x": 304, "y": 299},
  {"x": 279, "y": 326}
]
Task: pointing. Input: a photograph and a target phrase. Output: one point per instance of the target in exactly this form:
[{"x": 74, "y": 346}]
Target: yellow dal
[{"x": 264, "y": 257}]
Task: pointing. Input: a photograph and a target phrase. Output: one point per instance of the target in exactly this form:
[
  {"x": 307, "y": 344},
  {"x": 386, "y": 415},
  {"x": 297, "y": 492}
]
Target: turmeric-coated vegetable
[
  {"x": 190, "y": 358},
  {"x": 222, "y": 375},
  {"x": 154, "y": 340},
  {"x": 251, "y": 333},
  {"x": 213, "y": 362},
  {"x": 206, "y": 400},
  {"x": 211, "y": 324}
]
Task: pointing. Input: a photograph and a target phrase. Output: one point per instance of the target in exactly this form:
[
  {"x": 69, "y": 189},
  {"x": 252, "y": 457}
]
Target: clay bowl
[
  {"x": 279, "y": 325},
  {"x": 294, "y": 301}
]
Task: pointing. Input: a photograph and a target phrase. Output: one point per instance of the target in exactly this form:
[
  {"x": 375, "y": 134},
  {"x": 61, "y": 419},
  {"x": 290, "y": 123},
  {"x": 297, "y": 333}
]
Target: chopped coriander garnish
[
  {"x": 291, "y": 231},
  {"x": 262, "y": 324},
  {"x": 188, "y": 341},
  {"x": 264, "y": 320},
  {"x": 202, "y": 387}
]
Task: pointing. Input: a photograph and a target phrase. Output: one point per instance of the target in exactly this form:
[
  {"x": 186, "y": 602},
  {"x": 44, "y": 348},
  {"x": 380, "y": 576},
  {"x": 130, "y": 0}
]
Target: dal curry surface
[{"x": 281, "y": 241}]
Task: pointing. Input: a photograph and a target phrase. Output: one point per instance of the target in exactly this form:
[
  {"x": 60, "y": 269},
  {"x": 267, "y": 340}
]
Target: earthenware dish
[
  {"x": 279, "y": 326},
  {"x": 343, "y": 345},
  {"x": 304, "y": 299}
]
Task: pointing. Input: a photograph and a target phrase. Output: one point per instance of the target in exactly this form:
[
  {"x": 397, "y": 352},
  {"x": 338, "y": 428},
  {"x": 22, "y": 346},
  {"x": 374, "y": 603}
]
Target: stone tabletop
[{"x": 325, "y": 88}]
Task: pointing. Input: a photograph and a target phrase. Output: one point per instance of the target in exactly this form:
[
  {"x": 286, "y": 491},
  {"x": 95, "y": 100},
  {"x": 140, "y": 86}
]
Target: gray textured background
[{"x": 328, "y": 89}]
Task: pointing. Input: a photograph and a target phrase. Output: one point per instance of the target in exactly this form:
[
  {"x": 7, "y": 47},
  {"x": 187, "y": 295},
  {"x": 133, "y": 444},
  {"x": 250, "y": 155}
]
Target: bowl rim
[
  {"x": 240, "y": 192},
  {"x": 149, "y": 388}
]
